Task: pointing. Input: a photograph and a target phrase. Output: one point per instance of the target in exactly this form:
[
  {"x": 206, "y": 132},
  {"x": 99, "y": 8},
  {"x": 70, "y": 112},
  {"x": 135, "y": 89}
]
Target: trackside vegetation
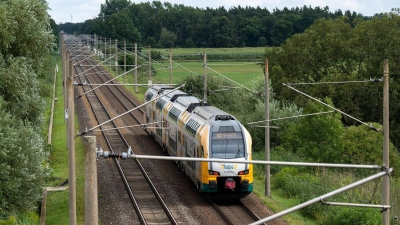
[
  {"x": 329, "y": 137},
  {"x": 24, "y": 47}
]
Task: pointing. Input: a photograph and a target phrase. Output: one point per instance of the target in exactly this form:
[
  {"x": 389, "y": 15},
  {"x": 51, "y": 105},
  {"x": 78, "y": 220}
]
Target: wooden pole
[
  {"x": 205, "y": 78},
  {"x": 267, "y": 143},
  {"x": 386, "y": 179},
  {"x": 71, "y": 141},
  {"x": 91, "y": 201},
  {"x": 136, "y": 68}
]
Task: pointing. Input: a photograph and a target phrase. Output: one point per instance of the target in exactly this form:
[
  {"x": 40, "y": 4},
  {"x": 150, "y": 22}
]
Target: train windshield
[{"x": 227, "y": 145}]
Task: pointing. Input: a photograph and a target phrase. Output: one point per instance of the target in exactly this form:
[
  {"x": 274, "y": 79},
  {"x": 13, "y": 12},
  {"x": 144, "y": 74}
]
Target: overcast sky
[{"x": 63, "y": 11}]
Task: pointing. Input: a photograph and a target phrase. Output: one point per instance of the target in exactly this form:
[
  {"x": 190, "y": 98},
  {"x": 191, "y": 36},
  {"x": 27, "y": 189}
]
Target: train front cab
[{"x": 226, "y": 180}]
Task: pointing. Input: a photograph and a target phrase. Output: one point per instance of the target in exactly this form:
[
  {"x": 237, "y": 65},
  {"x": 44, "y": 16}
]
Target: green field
[
  {"x": 238, "y": 64},
  {"x": 240, "y": 72}
]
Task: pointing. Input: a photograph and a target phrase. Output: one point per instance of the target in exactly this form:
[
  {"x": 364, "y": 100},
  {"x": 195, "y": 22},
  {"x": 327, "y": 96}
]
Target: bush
[{"x": 352, "y": 216}]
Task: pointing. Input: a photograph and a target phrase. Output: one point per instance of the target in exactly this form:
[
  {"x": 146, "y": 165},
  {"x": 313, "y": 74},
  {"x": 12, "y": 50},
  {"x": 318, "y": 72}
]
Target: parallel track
[
  {"x": 148, "y": 204},
  {"x": 138, "y": 184}
]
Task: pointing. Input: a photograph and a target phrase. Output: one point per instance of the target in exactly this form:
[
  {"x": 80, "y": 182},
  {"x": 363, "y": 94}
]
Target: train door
[
  {"x": 189, "y": 152},
  {"x": 199, "y": 154},
  {"x": 165, "y": 132},
  {"x": 178, "y": 143},
  {"x": 158, "y": 128},
  {"x": 172, "y": 141}
]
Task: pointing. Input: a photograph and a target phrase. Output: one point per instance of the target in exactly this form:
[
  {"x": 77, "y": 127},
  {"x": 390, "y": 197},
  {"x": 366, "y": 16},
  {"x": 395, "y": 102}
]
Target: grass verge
[{"x": 57, "y": 208}]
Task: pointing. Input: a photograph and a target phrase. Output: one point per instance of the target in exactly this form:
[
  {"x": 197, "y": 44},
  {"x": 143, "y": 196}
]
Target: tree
[
  {"x": 262, "y": 42},
  {"x": 330, "y": 50},
  {"x": 26, "y": 38},
  {"x": 317, "y": 138},
  {"x": 21, "y": 160},
  {"x": 253, "y": 107},
  {"x": 112, "y": 6},
  {"x": 20, "y": 88},
  {"x": 119, "y": 26},
  {"x": 167, "y": 38},
  {"x": 281, "y": 30},
  {"x": 25, "y": 22},
  {"x": 223, "y": 32}
]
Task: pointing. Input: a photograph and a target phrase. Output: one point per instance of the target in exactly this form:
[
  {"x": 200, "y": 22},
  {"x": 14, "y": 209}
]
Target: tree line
[
  {"x": 165, "y": 25},
  {"x": 26, "y": 40},
  {"x": 342, "y": 66}
]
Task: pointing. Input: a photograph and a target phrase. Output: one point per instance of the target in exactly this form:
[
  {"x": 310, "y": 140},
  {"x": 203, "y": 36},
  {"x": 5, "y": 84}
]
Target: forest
[{"x": 165, "y": 25}]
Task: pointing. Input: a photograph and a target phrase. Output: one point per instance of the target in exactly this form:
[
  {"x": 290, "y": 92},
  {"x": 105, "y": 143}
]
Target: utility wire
[
  {"x": 312, "y": 114},
  {"x": 179, "y": 65},
  {"x": 333, "y": 82},
  {"x": 166, "y": 92},
  {"x": 106, "y": 82},
  {"x": 94, "y": 66},
  {"x": 140, "y": 125},
  {"x": 368, "y": 125},
  {"x": 232, "y": 80}
]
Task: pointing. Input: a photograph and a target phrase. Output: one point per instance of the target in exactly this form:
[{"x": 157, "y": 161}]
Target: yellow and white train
[{"x": 187, "y": 127}]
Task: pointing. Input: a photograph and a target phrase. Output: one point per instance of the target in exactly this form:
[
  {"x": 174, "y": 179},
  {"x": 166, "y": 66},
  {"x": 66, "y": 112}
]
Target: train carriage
[{"x": 188, "y": 127}]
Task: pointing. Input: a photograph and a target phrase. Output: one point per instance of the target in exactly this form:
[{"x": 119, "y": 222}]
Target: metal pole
[
  {"x": 170, "y": 65},
  {"x": 71, "y": 155},
  {"x": 95, "y": 42},
  {"x": 149, "y": 64},
  {"x": 135, "y": 82},
  {"x": 65, "y": 75},
  {"x": 124, "y": 61},
  {"x": 116, "y": 57},
  {"x": 91, "y": 201},
  {"x": 205, "y": 78},
  {"x": 267, "y": 139},
  {"x": 105, "y": 50},
  {"x": 386, "y": 179}
]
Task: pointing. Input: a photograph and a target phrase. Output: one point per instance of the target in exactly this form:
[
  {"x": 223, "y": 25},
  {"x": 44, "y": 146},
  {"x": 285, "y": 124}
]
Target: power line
[
  {"x": 333, "y": 82},
  {"x": 289, "y": 117},
  {"x": 343, "y": 113}
]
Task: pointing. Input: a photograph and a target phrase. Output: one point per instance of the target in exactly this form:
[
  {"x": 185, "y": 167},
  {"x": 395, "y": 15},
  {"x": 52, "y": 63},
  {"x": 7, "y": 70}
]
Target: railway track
[
  {"x": 147, "y": 202},
  {"x": 234, "y": 212},
  {"x": 148, "y": 209}
]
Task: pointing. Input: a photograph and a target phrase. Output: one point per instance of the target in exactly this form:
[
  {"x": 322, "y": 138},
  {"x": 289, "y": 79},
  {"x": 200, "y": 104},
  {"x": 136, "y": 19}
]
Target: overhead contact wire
[{"x": 323, "y": 103}]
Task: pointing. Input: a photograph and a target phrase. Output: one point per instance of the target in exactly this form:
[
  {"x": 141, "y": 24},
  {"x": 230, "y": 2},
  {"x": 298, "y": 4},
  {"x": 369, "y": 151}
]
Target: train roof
[
  {"x": 211, "y": 113},
  {"x": 187, "y": 100},
  {"x": 161, "y": 87}
]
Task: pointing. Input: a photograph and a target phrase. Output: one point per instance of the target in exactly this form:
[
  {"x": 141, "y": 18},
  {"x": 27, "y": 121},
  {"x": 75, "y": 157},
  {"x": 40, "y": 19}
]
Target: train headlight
[
  {"x": 244, "y": 172},
  {"x": 211, "y": 172}
]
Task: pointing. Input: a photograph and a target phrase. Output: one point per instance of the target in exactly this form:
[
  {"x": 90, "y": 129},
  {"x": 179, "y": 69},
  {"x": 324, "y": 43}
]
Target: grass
[
  {"x": 180, "y": 51},
  {"x": 240, "y": 72},
  {"x": 58, "y": 202},
  {"x": 277, "y": 203}
]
